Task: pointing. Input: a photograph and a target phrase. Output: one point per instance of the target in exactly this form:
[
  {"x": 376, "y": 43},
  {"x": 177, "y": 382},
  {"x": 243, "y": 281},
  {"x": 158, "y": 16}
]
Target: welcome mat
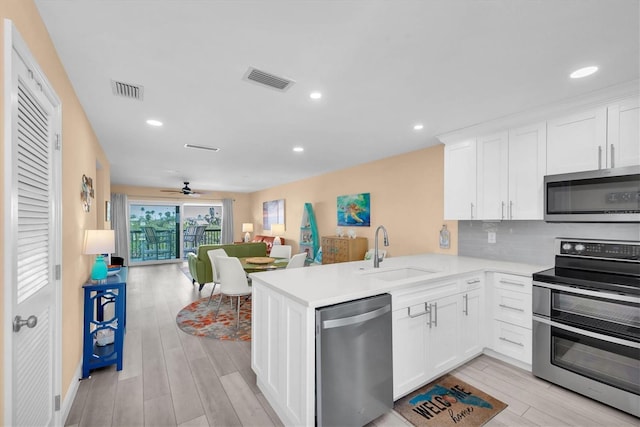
[
  {"x": 448, "y": 401},
  {"x": 198, "y": 319}
]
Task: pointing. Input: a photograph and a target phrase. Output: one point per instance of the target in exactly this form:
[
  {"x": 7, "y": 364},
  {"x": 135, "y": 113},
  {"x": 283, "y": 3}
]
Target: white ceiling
[{"x": 382, "y": 66}]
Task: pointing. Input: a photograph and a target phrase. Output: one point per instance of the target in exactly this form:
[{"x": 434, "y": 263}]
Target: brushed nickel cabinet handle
[
  {"x": 512, "y": 342},
  {"x": 613, "y": 159},
  {"x": 511, "y": 308},
  {"x": 599, "y": 157}
]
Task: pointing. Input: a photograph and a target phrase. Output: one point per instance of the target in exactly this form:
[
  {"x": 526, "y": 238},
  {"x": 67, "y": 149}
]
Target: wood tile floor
[{"x": 170, "y": 378}]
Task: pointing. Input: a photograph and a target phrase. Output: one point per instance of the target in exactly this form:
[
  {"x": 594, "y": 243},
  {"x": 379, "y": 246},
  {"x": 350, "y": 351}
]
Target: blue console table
[{"x": 112, "y": 293}]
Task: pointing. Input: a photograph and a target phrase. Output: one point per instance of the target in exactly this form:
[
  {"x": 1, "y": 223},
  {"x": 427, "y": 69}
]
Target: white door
[
  {"x": 460, "y": 180},
  {"x": 527, "y": 167},
  {"x": 32, "y": 230},
  {"x": 493, "y": 176},
  {"x": 623, "y": 128}
]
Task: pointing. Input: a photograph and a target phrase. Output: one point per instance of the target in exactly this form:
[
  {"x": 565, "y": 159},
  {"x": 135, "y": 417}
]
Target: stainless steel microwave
[{"x": 603, "y": 195}]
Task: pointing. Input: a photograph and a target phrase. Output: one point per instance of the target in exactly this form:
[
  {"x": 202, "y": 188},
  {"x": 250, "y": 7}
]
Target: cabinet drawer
[
  {"x": 513, "y": 282},
  {"x": 513, "y": 341},
  {"x": 512, "y": 307}
]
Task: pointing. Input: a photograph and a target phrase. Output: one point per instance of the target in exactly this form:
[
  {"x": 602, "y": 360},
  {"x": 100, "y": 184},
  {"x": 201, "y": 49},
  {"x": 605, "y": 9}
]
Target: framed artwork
[
  {"x": 354, "y": 210},
  {"x": 107, "y": 210},
  {"x": 86, "y": 193},
  {"x": 272, "y": 213}
]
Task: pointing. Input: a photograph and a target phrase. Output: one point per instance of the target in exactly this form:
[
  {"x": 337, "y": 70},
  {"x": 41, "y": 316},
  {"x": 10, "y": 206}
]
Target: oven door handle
[
  {"x": 580, "y": 291},
  {"x": 579, "y": 331}
]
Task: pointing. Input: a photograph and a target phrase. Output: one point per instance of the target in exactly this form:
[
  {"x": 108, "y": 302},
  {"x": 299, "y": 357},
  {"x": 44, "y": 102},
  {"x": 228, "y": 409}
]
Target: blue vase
[{"x": 99, "y": 270}]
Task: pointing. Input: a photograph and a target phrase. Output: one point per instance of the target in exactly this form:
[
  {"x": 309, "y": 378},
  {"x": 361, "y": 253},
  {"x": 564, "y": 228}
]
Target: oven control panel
[{"x": 616, "y": 250}]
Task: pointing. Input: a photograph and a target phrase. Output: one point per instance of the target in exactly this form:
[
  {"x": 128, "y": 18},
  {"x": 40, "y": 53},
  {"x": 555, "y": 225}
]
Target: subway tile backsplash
[{"x": 531, "y": 242}]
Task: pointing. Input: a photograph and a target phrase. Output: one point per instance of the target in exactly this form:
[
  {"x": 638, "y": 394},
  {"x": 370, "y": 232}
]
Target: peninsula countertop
[{"x": 323, "y": 285}]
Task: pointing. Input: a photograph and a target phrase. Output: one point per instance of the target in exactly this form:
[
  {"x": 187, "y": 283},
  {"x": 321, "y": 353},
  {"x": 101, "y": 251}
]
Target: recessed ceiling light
[
  {"x": 583, "y": 72},
  {"x": 418, "y": 126},
  {"x": 315, "y": 95},
  {"x": 298, "y": 149},
  {"x": 152, "y": 122}
]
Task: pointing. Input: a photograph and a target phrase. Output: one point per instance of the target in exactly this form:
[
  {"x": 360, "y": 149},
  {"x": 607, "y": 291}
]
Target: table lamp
[
  {"x": 247, "y": 228},
  {"x": 98, "y": 242},
  {"x": 276, "y": 231}
]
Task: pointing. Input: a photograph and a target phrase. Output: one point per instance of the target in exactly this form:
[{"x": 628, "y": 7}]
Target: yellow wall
[
  {"x": 406, "y": 197},
  {"x": 81, "y": 153}
]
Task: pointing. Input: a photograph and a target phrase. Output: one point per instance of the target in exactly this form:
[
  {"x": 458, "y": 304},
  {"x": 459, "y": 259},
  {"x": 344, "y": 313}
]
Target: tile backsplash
[{"x": 531, "y": 242}]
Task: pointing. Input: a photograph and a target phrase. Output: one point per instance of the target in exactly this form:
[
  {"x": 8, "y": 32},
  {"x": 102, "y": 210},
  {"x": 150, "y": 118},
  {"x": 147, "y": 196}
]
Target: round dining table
[{"x": 257, "y": 264}]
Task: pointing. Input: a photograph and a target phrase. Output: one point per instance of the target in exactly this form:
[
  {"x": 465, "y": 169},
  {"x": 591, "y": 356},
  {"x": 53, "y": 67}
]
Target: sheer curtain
[
  {"x": 226, "y": 232},
  {"x": 120, "y": 224}
]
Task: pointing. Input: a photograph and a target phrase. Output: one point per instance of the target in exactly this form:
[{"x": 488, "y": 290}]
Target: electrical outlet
[{"x": 492, "y": 236}]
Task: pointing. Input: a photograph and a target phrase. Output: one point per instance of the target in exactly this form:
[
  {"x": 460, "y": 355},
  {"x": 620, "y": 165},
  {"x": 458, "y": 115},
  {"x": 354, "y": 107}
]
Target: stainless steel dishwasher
[{"x": 354, "y": 366}]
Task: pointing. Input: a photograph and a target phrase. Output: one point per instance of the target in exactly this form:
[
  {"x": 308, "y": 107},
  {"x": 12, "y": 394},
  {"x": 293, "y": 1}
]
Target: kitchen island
[{"x": 283, "y": 325}]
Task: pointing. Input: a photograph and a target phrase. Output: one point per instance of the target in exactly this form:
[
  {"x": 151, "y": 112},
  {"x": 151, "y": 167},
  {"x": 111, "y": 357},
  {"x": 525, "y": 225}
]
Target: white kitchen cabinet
[
  {"x": 527, "y": 167},
  {"x": 493, "y": 175},
  {"x": 460, "y": 180},
  {"x": 623, "y": 133},
  {"x": 471, "y": 323},
  {"x": 282, "y": 354},
  {"x": 577, "y": 142},
  {"x": 436, "y": 326},
  {"x": 511, "y": 317},
  {"x": 511, "y": 168}
]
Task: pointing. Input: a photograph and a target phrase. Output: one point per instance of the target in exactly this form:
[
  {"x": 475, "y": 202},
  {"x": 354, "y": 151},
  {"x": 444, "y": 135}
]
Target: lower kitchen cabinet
[
  {"x": 435, "y": 331},
  {"x": 471, "y": 324},
  {"x": 510, "y": 311},
  {"x": 513, "y": 341}
]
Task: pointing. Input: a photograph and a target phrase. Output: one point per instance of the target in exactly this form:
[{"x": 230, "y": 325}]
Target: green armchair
[{"x": 200, "y": 264}]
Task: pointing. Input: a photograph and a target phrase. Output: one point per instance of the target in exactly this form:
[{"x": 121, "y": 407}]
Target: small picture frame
[{"x": 107, "y": 210}]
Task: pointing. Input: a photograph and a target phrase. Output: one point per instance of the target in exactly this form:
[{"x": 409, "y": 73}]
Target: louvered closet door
[{"x": 33, "y": 244}]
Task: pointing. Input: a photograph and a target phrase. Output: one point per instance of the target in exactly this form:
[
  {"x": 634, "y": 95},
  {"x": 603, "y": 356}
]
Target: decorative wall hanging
[
  {"x": 354, "y": 210},
  {"x": 272, "y": 213},
  {"x": 87, "y": 193}
]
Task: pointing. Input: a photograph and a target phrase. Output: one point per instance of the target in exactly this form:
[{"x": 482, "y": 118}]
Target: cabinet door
[
  {"x": 472, "y": 326},
  {"x": 527, "y": 167},
  {"x": 623, "y": 127},
  {"x": 328, "y": 250},
  {"x": 443, "y": 347},
  {"x": 578, "y": 142},
  {"x": 460, "y": 180},
  {"x": 492, "y": 176},
  {"x": 410, "y": 367}
]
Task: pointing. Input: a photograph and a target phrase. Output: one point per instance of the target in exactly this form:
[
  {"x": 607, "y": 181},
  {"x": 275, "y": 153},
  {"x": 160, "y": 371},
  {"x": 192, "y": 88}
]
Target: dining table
[{"x": 257, "y": 264}]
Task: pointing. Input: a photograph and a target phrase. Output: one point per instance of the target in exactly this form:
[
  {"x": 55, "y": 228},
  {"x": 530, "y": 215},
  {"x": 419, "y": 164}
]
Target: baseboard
[
  {"x": 507, "y": 359},
  {"x": 70, "y": 395}
]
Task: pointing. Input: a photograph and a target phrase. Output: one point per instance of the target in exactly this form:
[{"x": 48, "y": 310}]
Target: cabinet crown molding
[{"x": 547, "y": 112}]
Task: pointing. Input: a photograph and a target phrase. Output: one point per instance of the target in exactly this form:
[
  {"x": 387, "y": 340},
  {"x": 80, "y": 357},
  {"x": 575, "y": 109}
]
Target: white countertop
[{"x": 322, "y": 285}]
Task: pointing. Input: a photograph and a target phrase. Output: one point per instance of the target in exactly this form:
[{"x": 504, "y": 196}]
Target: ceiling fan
[{"x": 185, "y": 190}]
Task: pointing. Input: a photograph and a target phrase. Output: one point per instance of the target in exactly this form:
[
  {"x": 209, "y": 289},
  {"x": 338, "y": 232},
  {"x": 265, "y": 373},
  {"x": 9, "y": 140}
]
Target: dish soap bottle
[{"x": 444, "y": 237}]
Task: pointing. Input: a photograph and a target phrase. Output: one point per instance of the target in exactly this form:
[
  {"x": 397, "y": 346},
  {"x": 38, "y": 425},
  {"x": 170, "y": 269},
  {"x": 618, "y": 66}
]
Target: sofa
[
  {"x": 200, "y": 263},
  {"x": 268, "y": 240}
]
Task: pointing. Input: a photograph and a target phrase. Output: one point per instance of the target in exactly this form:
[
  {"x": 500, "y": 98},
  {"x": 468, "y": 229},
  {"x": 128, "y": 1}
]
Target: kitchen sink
[{"x": 399, "y": 273}]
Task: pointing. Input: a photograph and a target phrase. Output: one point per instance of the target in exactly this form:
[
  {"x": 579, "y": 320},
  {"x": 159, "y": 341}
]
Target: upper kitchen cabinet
[
  {"x": 511, "y": 168},
  {"x": 577, "y": 142},
  {"x": 460, "y": 180},
  {"x": 527, "y": 167},
  {"x": 623, "y": 133},
  {"x": 492, "y": 175}
]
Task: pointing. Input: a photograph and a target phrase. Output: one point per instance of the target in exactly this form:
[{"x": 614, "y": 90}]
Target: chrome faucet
[{"x": 376, "y": 258}]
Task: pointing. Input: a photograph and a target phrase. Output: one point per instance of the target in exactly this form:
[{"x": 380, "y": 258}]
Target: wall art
[
  {"x": 354, "y": 210},
  {"x": 272, "y": 213},
  {"x": 87, "y": 193}
]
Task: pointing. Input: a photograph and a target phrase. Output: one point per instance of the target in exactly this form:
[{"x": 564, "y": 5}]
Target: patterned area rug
[
  {"x": 198, "y": 319},
  {"x": 448, "y": 401}
]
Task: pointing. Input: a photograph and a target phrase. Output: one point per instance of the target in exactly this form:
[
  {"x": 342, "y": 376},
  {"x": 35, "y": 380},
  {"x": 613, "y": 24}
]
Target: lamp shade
[
  {"x": 247, "y": 227},
  {"x": 277, "y": 229},
  {"x": 99, "y": 242}
]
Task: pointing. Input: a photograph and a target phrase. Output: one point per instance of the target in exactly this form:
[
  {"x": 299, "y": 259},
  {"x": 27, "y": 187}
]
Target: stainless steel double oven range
[{"x": 586, "y": 321}]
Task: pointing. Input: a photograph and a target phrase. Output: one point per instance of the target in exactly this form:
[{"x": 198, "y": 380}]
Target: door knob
[{"x": 18, "y": 323}]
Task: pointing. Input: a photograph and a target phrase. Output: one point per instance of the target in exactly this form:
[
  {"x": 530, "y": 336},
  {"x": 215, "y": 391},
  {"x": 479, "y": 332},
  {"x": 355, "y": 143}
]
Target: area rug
[
  {"x": 446, "y": 402},
  {"x": 198, "y": 319}
]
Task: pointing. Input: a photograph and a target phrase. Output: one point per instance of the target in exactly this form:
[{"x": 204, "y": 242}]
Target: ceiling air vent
[
  {"x": 127, "y": 90},
  {"x": 267, "y": 79}
]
